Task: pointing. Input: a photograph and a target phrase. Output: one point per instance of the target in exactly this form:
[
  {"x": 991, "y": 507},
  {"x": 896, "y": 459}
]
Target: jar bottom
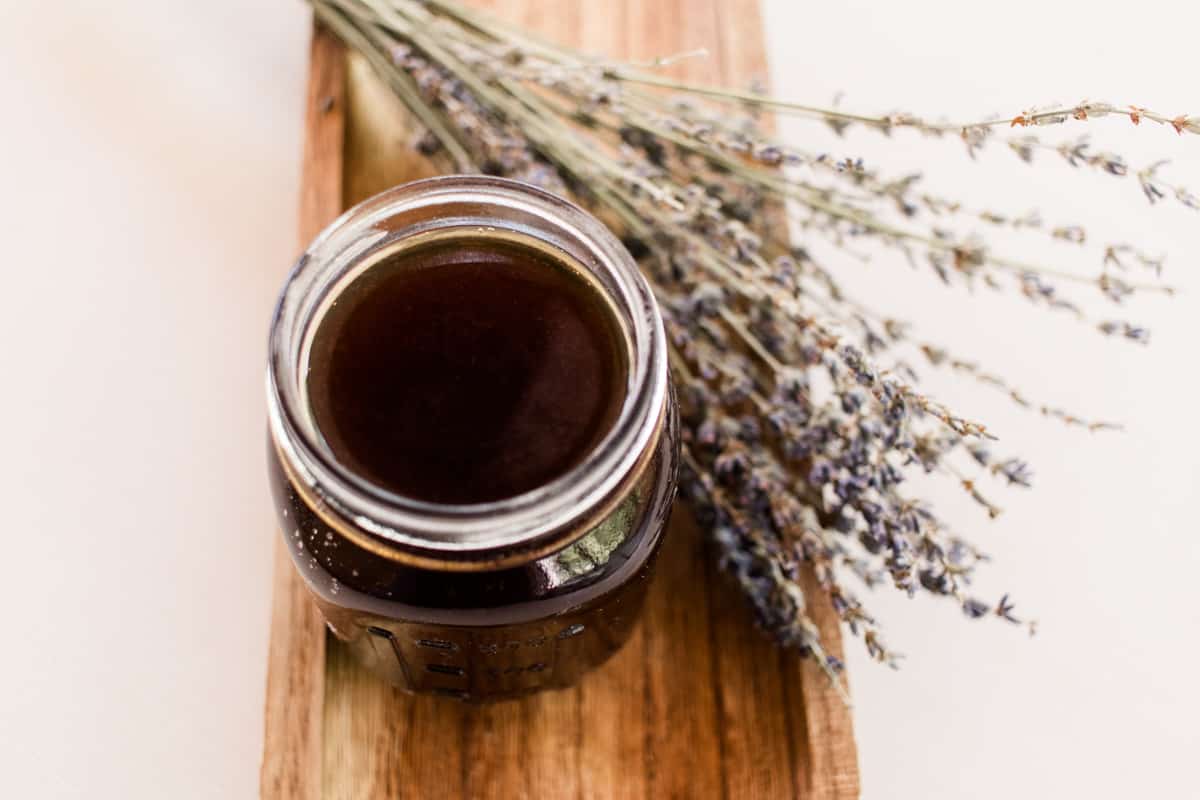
[{"x": 484, "y": 664}]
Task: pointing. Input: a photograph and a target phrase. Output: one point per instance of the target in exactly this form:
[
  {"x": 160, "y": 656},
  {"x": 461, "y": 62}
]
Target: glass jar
[{"x": 493, "y": 599}]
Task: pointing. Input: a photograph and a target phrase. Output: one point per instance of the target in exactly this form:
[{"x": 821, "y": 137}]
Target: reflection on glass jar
[{"x": 495, "y": 536}]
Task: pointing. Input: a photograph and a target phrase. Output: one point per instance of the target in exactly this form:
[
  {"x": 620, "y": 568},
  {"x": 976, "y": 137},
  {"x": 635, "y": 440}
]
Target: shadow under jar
[{"x": 473, "y": 439}]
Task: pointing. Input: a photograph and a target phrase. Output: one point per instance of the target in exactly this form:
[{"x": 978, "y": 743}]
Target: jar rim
[{"x": 477, "y": 529}]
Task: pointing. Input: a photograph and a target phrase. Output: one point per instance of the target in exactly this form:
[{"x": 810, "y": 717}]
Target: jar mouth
[{"x": 472, "y": 205}]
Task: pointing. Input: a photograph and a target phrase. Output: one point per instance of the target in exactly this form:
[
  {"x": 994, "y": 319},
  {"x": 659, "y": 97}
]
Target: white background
[{"x": 149, "y": 159}]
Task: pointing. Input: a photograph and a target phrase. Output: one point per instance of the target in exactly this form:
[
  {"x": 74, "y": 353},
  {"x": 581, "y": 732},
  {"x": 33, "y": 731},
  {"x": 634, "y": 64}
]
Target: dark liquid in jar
[{"x": 466, "y": 370}]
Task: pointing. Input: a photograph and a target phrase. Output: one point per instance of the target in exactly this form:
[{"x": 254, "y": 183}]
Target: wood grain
[
  {"x": 292, "y": 747},
  {"x": 698, "y": 704}
]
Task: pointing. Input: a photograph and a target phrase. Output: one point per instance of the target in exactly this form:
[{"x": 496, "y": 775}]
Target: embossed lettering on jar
[{"x": 473, "y": 440}]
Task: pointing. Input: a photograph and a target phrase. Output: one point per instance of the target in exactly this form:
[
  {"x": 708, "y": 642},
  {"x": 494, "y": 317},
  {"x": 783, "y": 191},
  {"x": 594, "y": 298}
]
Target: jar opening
[
  {"x": 457, "y": 209},
  {"x": 465, "y": 366}
]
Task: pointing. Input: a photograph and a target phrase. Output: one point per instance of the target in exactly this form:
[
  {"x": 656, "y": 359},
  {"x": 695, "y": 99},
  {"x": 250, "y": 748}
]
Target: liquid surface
[{"x": 466, "y": 371}]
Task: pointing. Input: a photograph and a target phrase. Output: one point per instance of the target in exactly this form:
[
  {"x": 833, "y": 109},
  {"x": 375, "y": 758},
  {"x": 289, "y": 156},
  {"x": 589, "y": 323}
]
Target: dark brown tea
[{"x": 466, "y": 370}]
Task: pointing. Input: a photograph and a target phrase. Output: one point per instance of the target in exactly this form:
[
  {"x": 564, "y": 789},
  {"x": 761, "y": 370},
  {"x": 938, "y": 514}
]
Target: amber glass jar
[{"x": 485, "y": 600}]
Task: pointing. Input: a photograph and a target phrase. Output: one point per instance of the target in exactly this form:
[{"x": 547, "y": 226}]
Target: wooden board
[{"x": 698, "y": 704}]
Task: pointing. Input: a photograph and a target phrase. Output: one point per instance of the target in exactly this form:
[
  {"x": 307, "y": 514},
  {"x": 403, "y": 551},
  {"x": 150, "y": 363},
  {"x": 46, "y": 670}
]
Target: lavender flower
[{"x": 801, "y": 416}]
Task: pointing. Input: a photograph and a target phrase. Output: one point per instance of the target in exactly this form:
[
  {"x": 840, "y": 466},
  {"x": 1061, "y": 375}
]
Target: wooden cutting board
[{"x": 698, "y": 704}]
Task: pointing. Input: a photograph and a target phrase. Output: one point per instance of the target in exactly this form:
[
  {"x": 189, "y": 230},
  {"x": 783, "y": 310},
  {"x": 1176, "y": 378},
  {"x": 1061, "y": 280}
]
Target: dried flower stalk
[{"x": 798, "y": 433}]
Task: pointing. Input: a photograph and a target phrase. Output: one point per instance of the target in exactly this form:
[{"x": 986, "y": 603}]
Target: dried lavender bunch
[{"x": 799, "y": 404}]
